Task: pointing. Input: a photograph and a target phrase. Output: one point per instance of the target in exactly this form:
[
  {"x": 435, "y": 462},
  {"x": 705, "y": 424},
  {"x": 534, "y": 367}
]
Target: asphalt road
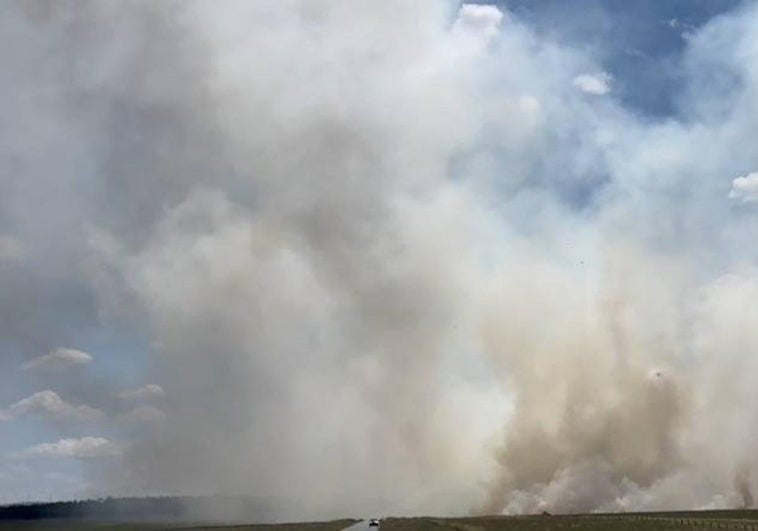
[{"x": 362, "y": 526}]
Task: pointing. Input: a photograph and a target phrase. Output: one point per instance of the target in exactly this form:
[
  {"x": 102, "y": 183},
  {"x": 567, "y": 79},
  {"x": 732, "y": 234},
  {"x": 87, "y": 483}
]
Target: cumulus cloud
[
  {"x": 595, "y": 84},
  {"x": 48, "y": 402},
  {"x": 480, "y": 19},
  {"x": 745, "y": 189},
  {"x": 143, "y": 393},
  {"x": 58, "y": 358},
  {"x": 83, "y": 448}
]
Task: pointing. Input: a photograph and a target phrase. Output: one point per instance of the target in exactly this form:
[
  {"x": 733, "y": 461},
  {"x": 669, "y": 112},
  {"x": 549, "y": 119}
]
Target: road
[{"x": 360, "y": 526}]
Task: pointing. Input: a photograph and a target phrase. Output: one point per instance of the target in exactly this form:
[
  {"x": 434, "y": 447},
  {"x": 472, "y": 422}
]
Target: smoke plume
[{"x": 386, "y": 257}]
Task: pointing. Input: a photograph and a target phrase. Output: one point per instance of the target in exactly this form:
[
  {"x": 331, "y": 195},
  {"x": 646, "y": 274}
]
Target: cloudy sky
[{"x": 492, "y": 256}]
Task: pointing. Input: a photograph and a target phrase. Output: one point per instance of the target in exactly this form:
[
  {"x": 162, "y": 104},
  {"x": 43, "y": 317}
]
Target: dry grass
[
  {"x": 63, "y": 525},
  {"x": 695, "y": 521},
  {"x": 335, "y": 525},
  {"x": 689, "y": 521}
]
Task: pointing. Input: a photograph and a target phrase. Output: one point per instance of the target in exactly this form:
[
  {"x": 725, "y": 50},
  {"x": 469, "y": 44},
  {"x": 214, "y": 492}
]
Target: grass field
[
  {"x": 692, "y": 521},
  {"x": 309, "y": 526},
  {"x": 69, "y": 525}
]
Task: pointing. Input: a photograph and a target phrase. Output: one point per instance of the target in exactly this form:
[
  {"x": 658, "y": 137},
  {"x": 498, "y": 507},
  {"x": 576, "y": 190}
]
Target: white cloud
[
  {"x": 598, "y": 84},
  {"x": 48, "y": 402},
  {"x": 480, "y": 19},
  {"x": 143, "y": 415},
  {"x": 84, "y": 448},
  {"x": 143, "y": 393},
  {"x": 745, "y": 189},
  {"x": 58, "y": 358}
]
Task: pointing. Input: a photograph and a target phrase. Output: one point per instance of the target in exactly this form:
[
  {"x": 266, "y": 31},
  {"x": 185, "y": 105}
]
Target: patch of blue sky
[
  {"x": 122, "y": 356},
  {"x": 42, "y": 479},
  {"x": 640, "y": 43}
]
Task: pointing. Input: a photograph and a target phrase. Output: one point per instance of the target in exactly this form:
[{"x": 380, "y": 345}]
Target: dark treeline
[{"x": 164, "y": 508}]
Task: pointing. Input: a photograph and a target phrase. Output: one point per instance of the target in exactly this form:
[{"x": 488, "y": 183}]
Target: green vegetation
[
  {"x": 74, "y": 525},
  {"x": 63, "y": 525},
  {"x": 738, "y": 520},
  {"x": 690, "y": 521},
  {"x": 335, "y": 525}
]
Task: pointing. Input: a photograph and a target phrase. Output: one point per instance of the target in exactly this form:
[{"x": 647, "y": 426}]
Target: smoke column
[{"x": 394, "y": 257}]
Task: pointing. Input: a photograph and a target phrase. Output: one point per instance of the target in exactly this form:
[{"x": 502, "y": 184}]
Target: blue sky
[
  {"x": 640, "y": 43},
  {"x": 246, "y": 246}
]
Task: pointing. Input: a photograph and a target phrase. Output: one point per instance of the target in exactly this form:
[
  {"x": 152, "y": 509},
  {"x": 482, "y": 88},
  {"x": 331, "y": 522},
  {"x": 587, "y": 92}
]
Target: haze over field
[{"x": 397, "y": 257}]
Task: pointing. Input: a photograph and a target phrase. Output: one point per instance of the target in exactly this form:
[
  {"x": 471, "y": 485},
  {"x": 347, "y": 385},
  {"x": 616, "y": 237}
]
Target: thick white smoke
[{"x": 389, "y": 257}]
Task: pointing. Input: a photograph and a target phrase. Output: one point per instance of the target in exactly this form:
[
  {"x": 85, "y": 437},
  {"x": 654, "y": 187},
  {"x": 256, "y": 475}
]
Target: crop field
[
  {"x": 335, "y": 525},
  {"x": 74, "y": 525},
  {"x": 692, "y": 521}
]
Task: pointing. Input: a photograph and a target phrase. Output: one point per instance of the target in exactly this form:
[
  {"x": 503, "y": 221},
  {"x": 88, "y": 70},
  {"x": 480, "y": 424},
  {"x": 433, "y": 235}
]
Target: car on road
[{"x": 374, "y": 522}]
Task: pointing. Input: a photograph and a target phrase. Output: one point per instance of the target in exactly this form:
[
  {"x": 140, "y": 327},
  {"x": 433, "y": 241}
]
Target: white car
[{"x": 374, "y": 522}]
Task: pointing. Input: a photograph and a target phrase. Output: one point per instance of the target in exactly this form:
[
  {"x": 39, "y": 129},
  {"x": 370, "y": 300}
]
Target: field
[
  {"x": 310, "y": 526},
  {"x": 63, "y": 525},
  {"x": 692, "y": 521}
]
